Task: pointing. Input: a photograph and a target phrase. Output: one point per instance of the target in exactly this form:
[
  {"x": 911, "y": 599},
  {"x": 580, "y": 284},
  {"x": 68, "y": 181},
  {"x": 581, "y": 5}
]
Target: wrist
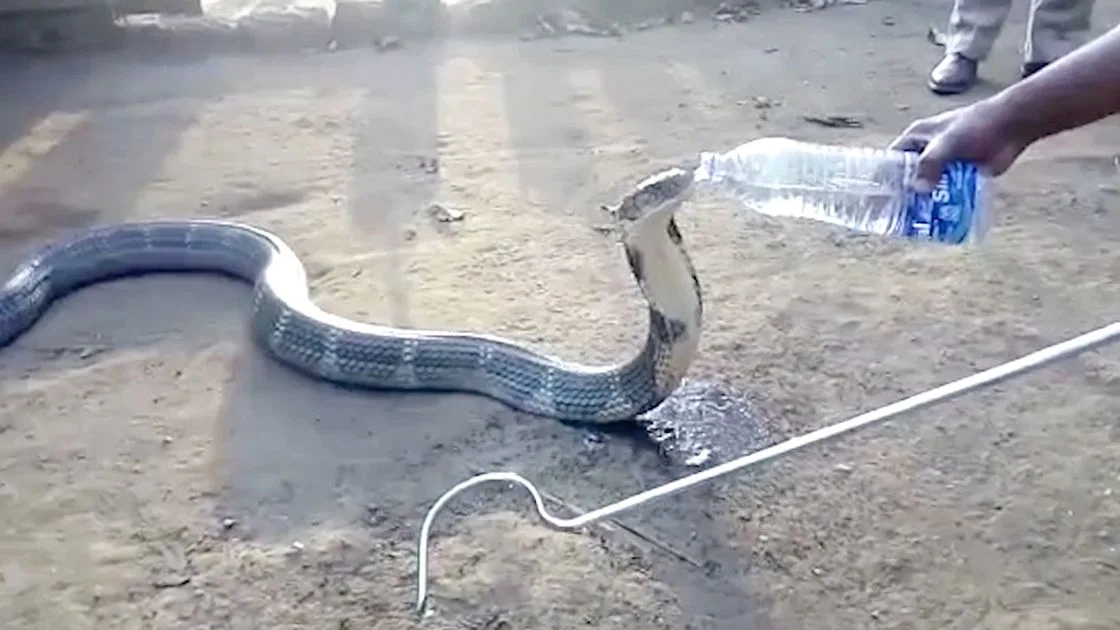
[{"x": 1014, "y": 120}]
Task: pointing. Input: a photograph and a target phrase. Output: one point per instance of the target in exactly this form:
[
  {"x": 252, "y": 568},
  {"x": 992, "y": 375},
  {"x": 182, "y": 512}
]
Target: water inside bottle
[{"x": 862, "y": 189}]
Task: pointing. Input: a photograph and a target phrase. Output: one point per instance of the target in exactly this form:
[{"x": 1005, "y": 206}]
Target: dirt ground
[{"x": 157, "y": 471}]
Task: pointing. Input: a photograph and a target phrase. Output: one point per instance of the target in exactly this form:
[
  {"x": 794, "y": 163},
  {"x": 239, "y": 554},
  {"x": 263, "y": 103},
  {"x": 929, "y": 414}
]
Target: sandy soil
[{"x": 157, "y": 471}]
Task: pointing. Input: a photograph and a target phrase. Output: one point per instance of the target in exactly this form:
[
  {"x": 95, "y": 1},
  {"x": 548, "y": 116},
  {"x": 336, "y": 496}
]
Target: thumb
[{"x": 931, "y": 162}]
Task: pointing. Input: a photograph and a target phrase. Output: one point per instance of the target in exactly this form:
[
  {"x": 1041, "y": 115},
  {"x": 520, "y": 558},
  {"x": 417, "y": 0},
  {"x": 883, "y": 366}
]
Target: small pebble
[
  {"x": 388, "y": 42},
  {"x": 228, "y": 523},
  {"x": 444, "y": 214},
  {"x": 699, "y": 458}
]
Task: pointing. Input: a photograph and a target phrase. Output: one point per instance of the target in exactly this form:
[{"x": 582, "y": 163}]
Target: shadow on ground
[{"x": 297, "y": 455}]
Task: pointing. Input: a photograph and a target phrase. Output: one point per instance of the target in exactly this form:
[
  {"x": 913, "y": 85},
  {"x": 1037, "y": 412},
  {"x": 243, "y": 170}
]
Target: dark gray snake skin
[{"x": 335, "y": 349}]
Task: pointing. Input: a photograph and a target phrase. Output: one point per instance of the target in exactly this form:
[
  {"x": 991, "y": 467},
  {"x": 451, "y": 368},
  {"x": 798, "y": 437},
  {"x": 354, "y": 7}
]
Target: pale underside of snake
[{"x": 298, "y": 333}]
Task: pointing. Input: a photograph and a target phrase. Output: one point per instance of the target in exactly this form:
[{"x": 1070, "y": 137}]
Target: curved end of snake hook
[{"x": 426, "y": 528}]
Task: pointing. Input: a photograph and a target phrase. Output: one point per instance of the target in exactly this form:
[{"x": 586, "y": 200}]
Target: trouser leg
[
  {"x": 1056, "y": 28},
  {"x": 974, "y": 26}
]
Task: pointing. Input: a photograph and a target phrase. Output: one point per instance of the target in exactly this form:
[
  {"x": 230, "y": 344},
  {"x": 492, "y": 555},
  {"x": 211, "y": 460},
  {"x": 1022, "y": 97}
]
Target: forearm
[{"x": 1078, "y": 89}]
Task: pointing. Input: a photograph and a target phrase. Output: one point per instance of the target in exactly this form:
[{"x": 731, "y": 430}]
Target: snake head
[{"x": 659, "y": 194}]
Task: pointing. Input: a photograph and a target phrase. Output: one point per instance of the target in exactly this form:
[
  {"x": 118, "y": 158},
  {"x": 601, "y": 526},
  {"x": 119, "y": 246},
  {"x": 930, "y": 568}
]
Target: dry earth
[{"x": 136, "y": 418}]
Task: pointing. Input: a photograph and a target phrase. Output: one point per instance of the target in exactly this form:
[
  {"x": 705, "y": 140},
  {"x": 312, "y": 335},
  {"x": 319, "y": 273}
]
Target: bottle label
[{"x": 945, "y": 214}]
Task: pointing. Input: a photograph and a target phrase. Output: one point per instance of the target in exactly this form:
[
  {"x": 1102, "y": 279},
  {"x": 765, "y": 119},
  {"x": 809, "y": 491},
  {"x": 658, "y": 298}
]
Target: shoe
[
  {"x": 1032, "y": 67},
  {"x": 955, "y": 74}
]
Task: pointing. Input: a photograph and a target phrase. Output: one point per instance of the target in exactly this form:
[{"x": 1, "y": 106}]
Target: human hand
[{"x": 978, "y": 133}]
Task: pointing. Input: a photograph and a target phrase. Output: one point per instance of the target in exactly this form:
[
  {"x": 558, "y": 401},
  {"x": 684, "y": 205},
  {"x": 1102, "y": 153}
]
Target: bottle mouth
[{"x": 706, "y": 170}]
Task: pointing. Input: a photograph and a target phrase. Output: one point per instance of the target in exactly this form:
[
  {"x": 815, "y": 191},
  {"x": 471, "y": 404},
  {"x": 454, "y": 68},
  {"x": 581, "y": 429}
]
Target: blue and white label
[{"x": 947, "y": 213}]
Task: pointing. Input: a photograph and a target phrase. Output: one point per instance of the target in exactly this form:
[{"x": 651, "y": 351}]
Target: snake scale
[{"x": 289, "y": 325}]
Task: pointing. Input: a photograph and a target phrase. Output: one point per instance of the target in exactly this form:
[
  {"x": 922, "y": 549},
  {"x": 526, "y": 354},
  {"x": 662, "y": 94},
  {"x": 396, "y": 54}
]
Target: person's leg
[
  {"x": 1055, "y": 29},
  {"x": 974, "y": 26}
]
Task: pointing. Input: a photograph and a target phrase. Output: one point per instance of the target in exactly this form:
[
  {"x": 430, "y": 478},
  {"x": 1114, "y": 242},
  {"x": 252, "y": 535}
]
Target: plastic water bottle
[{"x": 863, "y": 189}]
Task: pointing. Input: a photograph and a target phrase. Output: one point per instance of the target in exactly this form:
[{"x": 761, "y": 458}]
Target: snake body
[{"x": 298, "y": 333}]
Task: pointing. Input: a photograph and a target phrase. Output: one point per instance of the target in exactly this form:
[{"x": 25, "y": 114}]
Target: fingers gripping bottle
[{"x": 863, "y": 189}]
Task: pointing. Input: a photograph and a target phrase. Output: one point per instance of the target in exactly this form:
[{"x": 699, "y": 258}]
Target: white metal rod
[{"x": 1018, "y": 367}]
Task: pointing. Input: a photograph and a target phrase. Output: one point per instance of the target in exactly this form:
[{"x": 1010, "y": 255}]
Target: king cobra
[{"x": 298, "y": 333}]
